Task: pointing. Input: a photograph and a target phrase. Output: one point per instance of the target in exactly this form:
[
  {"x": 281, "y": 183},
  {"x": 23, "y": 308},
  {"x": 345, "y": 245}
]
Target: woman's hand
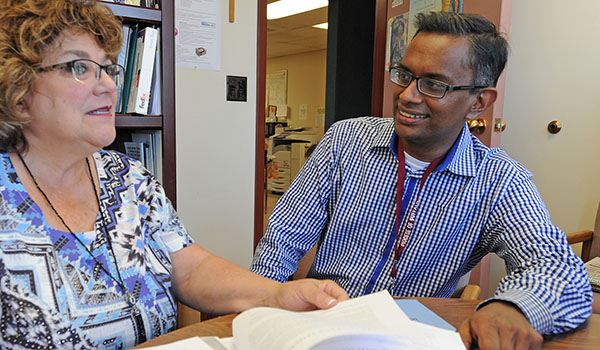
[
  {"x": 209, "y": 283},
  {"x": 306, "y": 294}
]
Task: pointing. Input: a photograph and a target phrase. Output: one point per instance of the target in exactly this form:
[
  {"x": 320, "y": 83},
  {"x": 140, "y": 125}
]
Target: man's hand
[
  {"x": 307, "y": 294},
  {"x": 499, "y": 325}
]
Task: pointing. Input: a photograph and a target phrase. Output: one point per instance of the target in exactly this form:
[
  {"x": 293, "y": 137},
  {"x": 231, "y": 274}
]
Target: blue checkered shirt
[{"x": 476, "y": 201}]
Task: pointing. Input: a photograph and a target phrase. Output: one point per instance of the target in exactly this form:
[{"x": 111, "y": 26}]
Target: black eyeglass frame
[
  {"x": 99, "y": 69},
  {"x": 447, "y": 87}
]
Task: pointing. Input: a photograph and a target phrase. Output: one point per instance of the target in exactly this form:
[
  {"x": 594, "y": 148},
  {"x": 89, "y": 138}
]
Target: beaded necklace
[{"x": 129, "y": 297}]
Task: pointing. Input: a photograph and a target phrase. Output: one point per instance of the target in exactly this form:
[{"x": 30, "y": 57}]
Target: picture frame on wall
[{"x": 272, "y": 113}]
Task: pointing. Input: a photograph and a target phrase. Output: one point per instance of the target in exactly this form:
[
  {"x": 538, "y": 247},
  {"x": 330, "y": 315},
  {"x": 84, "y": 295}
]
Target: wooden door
[{"x": 553, "y": 75}]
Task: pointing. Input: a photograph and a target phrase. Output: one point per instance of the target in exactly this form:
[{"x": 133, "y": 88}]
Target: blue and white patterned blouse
[
  {"x": 477, "y": 201},
  {"x": 52, "y": 297}
]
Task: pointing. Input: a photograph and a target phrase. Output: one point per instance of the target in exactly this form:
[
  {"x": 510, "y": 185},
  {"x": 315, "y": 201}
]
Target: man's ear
[{"x": 484, "y": 99}]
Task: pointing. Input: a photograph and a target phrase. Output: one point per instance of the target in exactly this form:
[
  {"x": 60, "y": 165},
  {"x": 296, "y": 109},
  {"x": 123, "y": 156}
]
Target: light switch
[{"x": 236, "y": 88}]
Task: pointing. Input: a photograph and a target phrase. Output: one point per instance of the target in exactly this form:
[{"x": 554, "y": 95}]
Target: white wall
[
  {"x": 216, "y": 143},
  {"x": 553, "y": 74}
]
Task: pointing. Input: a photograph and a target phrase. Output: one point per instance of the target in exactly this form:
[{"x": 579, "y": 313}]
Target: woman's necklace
[{"x": 129, "y": 297}]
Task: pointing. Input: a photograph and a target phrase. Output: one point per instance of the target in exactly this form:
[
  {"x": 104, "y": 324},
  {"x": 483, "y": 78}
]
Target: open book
[{"x": 369, "y": 322}]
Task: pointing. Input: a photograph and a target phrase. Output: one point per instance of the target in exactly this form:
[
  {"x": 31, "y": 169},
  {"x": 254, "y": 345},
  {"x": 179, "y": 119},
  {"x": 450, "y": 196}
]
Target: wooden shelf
[
  {"x": 135, "y": 13},
  {"x": 139, "y": 122}
]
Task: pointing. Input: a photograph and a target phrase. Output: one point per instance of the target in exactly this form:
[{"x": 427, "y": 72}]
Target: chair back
[
  {"x": 590, "y": 239},
  {"x": 589, "y": 250}
]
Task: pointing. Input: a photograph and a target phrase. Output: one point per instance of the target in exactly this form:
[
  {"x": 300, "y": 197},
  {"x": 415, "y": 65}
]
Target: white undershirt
[{"x": 414, "y": 163}]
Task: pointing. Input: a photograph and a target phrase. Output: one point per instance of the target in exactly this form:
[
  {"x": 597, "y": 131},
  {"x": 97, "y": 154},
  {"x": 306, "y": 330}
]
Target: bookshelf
[{"x": 126, "y": 123}]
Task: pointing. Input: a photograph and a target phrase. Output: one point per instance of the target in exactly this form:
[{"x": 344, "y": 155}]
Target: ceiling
[{"x": 294, "y": 34}]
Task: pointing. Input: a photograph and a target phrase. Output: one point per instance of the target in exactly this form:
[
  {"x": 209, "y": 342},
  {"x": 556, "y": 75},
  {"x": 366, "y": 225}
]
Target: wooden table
[{"x": 454, "y": 310}]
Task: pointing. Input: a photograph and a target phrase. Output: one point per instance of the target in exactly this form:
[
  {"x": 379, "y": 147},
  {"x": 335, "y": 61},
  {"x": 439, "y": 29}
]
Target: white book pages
[{"x": 369, "y": 322}]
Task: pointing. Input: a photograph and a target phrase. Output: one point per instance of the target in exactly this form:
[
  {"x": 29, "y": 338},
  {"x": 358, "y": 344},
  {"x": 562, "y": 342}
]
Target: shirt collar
[
  {"x": 382, "y": 139},
  {"x": 460, "y": 159},
  {"x": 463, "y": 160}
]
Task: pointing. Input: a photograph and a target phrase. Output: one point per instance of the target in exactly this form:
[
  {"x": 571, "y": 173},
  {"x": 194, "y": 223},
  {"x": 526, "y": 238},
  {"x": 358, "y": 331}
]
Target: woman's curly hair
[{"x": 28, "y": 29}]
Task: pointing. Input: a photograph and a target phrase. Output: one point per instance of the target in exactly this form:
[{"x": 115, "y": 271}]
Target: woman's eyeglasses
[{"x": 83, "y": 69}]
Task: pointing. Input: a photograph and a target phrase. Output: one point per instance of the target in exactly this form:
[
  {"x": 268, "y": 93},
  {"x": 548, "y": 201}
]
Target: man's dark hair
[{"x": 489, "y": 49}]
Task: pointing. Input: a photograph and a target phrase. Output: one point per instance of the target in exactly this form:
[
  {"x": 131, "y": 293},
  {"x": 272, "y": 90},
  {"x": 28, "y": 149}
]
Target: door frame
[{"x": 259, "y": 163}]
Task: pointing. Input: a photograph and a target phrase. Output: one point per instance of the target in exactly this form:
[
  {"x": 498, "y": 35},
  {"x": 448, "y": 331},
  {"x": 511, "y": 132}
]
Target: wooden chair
[
  {"x": 590, "y": 249},
  {"x": 187, "y": 316},
  {"x": 469, "y": 292},
  {"x": 590, "y": 239}
]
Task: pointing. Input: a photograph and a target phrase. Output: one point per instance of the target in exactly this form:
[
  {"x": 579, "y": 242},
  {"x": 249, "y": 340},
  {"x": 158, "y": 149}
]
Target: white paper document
[
  {"x": 198, "y": 34},
  {"x": 369, "y": 322}
]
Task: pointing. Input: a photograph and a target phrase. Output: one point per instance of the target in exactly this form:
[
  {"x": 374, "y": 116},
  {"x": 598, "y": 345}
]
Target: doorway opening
[{"x": 348, "y": 80}]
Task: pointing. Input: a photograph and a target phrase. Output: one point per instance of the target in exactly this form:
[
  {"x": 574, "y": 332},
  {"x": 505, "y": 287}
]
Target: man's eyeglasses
[
  {"x": 426, "y": 86},
  {"x": 84, "y": 69}
]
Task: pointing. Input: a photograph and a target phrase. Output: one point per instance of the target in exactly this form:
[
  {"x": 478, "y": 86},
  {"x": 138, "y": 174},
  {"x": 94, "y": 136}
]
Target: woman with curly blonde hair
[
  {"x": 28, "y": 29},
  {"x": 92, "y": 253}
]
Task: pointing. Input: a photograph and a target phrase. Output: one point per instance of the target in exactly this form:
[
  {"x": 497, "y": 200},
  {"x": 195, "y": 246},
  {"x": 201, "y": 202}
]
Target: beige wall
[
  {"x": 306, "y": 85},
  {"x": 216, "y": 143}
]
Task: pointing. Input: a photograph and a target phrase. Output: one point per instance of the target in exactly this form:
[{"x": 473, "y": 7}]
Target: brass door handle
[
  {"x": 554, "y": 127},
  {"x": 477, "y": 126},
  {"x": 499, "y": 125}
]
